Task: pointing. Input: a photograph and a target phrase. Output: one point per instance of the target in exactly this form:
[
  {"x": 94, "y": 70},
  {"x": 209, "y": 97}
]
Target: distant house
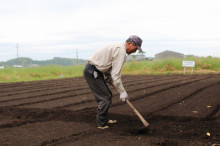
[
  {"x": 150, "y": 58},
  {"x": 168, "y": 54},
  {"x": 2, "y": 67},
  {"x": 136, "y": 57},
  {"x": 18, "y": 66},
  {"x": 33, "y": 65}
]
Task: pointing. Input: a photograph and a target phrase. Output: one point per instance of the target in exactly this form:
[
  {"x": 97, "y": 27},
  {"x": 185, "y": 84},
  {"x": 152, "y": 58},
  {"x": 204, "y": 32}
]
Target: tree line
[{"x": 28, "y": 62}]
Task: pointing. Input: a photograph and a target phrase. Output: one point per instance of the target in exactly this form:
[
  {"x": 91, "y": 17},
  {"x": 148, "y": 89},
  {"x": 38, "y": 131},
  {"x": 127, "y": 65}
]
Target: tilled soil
[{"x": 181, "y": 109}]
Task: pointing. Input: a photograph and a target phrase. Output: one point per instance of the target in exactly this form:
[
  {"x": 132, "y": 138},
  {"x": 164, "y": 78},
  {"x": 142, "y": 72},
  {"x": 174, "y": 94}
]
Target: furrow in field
[
  {"x": 36, "y": 94},
  {"x": 42, "y": 133},
  {"x": 155, "y": 101},
  {"x": 46, "y": 88},
  {"x": 40, "y": 95},
  {"x": 202, "y": 102},
  {"x": 39, "y": 87},
  {"x": 146, "y": 91},
  {"x": 42, "y": 99},
  {"x": 57, "y": 102}
]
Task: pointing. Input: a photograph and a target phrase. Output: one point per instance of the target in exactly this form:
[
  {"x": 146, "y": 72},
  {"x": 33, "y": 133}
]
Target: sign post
[{"x": 188, "y": 64}]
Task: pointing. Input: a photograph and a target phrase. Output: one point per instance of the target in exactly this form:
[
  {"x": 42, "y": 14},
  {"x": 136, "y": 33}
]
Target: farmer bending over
[{"x": 105, "y": 66}]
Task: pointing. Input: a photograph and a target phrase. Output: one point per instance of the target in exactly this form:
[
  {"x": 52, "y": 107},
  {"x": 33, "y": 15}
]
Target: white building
[
  {"x": 136, "y": 57},
  {"x": 18, "y": 66}
]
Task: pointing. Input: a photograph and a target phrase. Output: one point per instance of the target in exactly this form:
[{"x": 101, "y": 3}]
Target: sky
[{"x": 44, "y": 29}]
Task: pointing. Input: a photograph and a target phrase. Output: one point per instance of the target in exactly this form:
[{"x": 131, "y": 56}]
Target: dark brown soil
[{"x": 181, "y": 110}]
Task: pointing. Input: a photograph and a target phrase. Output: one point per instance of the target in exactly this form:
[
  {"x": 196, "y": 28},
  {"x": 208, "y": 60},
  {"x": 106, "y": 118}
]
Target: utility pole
[
  {"x": 17, "y": 49},
  {"x": 17, "y": 53},
  {"x": 76, "y": 57}
]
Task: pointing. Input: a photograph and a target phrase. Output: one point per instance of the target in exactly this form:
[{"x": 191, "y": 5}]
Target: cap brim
[{"x": 139, "y": 48}]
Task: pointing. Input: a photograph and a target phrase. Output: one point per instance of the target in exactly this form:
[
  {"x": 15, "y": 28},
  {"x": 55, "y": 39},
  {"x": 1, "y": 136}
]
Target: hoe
[{"x": 146, "y": 124}]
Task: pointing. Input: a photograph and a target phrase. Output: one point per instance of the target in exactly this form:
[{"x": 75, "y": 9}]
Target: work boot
[
  {"x": 112, "y": 121},
  {"x": 102, "y": 127}
]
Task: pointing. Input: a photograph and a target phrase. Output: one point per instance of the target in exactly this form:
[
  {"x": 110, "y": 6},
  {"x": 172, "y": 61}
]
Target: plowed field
[{"x": 181, "y": 109}]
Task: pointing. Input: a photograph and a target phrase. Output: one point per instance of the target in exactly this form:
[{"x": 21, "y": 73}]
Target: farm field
[{"x": 181, "y": 109}]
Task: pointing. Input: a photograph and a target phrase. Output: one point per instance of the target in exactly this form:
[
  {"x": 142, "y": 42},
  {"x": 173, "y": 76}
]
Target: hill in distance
[{"x": 28, "y": 62}]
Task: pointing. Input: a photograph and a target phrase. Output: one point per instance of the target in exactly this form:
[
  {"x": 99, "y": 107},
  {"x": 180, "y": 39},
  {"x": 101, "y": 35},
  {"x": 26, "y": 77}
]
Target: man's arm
[{"x": 117, "y": 65}]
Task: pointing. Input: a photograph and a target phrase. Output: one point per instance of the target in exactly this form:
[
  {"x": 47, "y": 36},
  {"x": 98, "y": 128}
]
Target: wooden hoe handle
[{"x": 146, "y": 124}]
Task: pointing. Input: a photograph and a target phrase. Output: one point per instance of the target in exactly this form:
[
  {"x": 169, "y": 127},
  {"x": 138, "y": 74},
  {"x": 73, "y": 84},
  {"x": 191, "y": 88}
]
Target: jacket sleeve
[{"x": 117, "y": 65}]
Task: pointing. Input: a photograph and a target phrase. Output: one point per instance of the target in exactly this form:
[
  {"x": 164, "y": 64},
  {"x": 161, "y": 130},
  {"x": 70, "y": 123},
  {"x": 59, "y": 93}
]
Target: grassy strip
[
  {"x": 40, "y": 73},
  {"x": 172, "y": 66},
  {"x": 167, "y": 66}
]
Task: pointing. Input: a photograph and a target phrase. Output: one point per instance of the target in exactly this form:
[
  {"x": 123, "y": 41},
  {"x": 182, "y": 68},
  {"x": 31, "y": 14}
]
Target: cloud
[{"x": 54, "y": 26}]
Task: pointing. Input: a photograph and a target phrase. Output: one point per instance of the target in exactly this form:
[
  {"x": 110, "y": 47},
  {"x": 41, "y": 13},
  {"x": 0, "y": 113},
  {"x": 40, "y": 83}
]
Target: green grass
[
  {"x": 40, "y": 73},
  {"x": 172, "y": 66},
  {"x": 167, "y": 66}
]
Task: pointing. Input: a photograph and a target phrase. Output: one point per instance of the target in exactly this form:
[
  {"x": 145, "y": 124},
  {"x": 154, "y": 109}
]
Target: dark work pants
[{"x": 101, "y": 92}]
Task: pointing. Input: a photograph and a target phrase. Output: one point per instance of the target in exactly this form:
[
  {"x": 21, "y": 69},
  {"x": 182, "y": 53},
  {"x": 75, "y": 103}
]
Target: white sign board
[{"x": 188, "y": 63}]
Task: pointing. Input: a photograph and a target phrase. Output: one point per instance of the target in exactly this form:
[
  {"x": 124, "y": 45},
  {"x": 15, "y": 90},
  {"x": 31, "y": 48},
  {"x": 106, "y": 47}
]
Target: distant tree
[
  {"x": 142, "y": 54},
  {"x": 133, "y": 57}
]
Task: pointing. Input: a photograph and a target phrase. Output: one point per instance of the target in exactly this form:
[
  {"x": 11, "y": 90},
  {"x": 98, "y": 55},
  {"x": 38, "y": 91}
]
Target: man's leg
[{"x": 101, "y": 92}]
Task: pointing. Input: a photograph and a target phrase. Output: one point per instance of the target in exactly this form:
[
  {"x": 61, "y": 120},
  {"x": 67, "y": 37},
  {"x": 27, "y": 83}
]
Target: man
[{"x": 105, "y": 66}]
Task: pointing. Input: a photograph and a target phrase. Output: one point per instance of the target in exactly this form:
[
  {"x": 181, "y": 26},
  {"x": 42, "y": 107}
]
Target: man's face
[{"x": 130, "y": 48}]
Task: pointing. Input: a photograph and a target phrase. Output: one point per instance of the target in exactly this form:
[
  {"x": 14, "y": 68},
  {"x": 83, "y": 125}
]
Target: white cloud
[{"x": 55, "y": 25}]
